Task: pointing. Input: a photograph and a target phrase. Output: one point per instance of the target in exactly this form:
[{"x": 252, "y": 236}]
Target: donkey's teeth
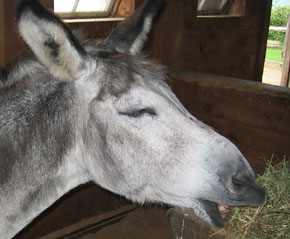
[{"x": 224, "y": 210}]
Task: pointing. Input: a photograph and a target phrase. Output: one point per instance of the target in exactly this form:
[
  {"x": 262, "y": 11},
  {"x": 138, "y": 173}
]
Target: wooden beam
[
  {"x": 2, "y": 34},
  {"x": 286, "y": 59}
]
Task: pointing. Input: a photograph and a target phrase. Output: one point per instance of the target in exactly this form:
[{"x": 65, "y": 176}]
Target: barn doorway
[{"x": 277, "y": 60}]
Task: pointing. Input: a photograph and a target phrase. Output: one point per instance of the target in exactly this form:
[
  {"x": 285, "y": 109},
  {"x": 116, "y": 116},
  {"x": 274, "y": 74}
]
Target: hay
[{"x": 272, "y": 220}]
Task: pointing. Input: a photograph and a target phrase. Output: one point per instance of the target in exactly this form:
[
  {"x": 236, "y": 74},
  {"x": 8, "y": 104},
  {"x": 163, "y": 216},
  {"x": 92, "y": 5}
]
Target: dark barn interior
[{"x": 216, "y": 66}]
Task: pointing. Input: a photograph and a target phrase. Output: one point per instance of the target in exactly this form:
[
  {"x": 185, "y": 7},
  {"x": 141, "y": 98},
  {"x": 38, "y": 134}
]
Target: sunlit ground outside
[{"x": 273, "y": 66}]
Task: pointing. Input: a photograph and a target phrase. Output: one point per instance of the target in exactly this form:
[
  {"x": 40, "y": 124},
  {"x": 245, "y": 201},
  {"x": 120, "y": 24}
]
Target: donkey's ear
[
  {"x": 130, "y": 35},
  {"x": 50, "y": 40}
]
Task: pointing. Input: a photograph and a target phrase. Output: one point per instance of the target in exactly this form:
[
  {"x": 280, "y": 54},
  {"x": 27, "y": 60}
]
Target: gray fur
[{"x": 110, "y": 119}]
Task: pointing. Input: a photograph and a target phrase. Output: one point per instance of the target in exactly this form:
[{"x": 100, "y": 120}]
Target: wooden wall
[
  {"x": 229, "y": 46},
  {"x": 2, "y": 33}
]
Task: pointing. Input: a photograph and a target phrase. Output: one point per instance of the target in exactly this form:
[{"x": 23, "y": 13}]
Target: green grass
[{"x": 274, "y": 54}]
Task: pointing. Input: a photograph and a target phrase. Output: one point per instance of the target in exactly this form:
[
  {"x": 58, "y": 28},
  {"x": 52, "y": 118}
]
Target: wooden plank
[
  {"x": 220, "y": 24},
  {"x": 253, "y": 115},
  {"x": 214, "y": 42},
  {"x": 233, "y": 66},
  {"x": 2, "y": 34},
  {"x": 286, "y": 59}
]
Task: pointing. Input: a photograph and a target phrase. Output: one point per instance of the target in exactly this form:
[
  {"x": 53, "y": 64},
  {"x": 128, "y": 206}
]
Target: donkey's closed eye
[{"x": 139, "y": 112}]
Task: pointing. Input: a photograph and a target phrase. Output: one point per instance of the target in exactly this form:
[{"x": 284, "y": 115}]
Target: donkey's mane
[{"x": 24, "y": 66}]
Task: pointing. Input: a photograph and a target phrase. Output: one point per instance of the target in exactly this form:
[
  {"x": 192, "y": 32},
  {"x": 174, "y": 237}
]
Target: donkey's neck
[
  {"x": 39, "y": 157},
  {"x": 19, "y": 206}
]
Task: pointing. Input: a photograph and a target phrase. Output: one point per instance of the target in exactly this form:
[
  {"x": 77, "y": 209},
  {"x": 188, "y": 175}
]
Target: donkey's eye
[{"x": 138, "y": 113}]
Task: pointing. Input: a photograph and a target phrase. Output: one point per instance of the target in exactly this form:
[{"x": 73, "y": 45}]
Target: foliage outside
[
  {"x": 270, "y": 221},
  {"x": 278, "y": 36},
  {"x": 274, "y": 54},
  {"x": 279, "y": 17}
]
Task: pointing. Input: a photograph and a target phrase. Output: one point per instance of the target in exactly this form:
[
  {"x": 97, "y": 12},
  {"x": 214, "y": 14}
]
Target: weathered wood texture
[
  {"x": 229, "y": 46},
  {"x": 2, "y": 33},
  {"x": 252, "y": 115}
]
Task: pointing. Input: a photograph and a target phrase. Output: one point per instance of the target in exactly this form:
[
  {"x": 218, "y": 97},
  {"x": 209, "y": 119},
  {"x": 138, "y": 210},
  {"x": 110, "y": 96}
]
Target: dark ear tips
[
  {"x": 25, "y": 4},
  {"x": 21, "y": 8},
  {"x": 154, "y": 6},
  {"x": 130, "y": 35},
  {"x": 36, "y": 8}
]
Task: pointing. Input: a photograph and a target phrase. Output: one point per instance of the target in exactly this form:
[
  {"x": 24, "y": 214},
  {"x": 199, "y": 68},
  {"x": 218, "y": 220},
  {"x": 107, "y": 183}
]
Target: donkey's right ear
[{"x": 50, "y": 40}]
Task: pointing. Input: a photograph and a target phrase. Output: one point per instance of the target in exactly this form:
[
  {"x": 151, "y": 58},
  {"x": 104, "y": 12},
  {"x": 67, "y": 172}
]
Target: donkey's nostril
[
  {"x": 242, "y": 178},
  {"x": 237, "y": 182}
]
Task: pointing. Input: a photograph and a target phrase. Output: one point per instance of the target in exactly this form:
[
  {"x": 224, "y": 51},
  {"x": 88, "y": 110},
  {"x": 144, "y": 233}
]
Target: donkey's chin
[{"x": 212, "y": 212}]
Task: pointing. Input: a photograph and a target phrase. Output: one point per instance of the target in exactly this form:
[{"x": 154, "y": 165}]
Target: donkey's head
[{"x": 133, "y": 136}]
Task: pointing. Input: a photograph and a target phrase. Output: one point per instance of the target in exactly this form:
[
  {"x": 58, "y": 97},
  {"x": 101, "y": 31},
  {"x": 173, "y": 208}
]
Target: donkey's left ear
[
  {"x": 130, "y": 35},
  {"x": 50, "y": 40}
]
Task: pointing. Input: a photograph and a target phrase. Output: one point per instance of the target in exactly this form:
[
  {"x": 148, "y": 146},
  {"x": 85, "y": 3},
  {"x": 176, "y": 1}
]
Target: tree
[{"x": 279, "y": 16}]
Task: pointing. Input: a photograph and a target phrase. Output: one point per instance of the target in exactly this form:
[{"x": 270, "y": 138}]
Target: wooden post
[
  {"x": 286, "y": 59},
  {"x": 2, "y": 34}
]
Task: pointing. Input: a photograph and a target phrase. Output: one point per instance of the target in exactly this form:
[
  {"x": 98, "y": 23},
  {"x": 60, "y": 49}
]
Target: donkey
[{"x": 74, "y": 110}]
